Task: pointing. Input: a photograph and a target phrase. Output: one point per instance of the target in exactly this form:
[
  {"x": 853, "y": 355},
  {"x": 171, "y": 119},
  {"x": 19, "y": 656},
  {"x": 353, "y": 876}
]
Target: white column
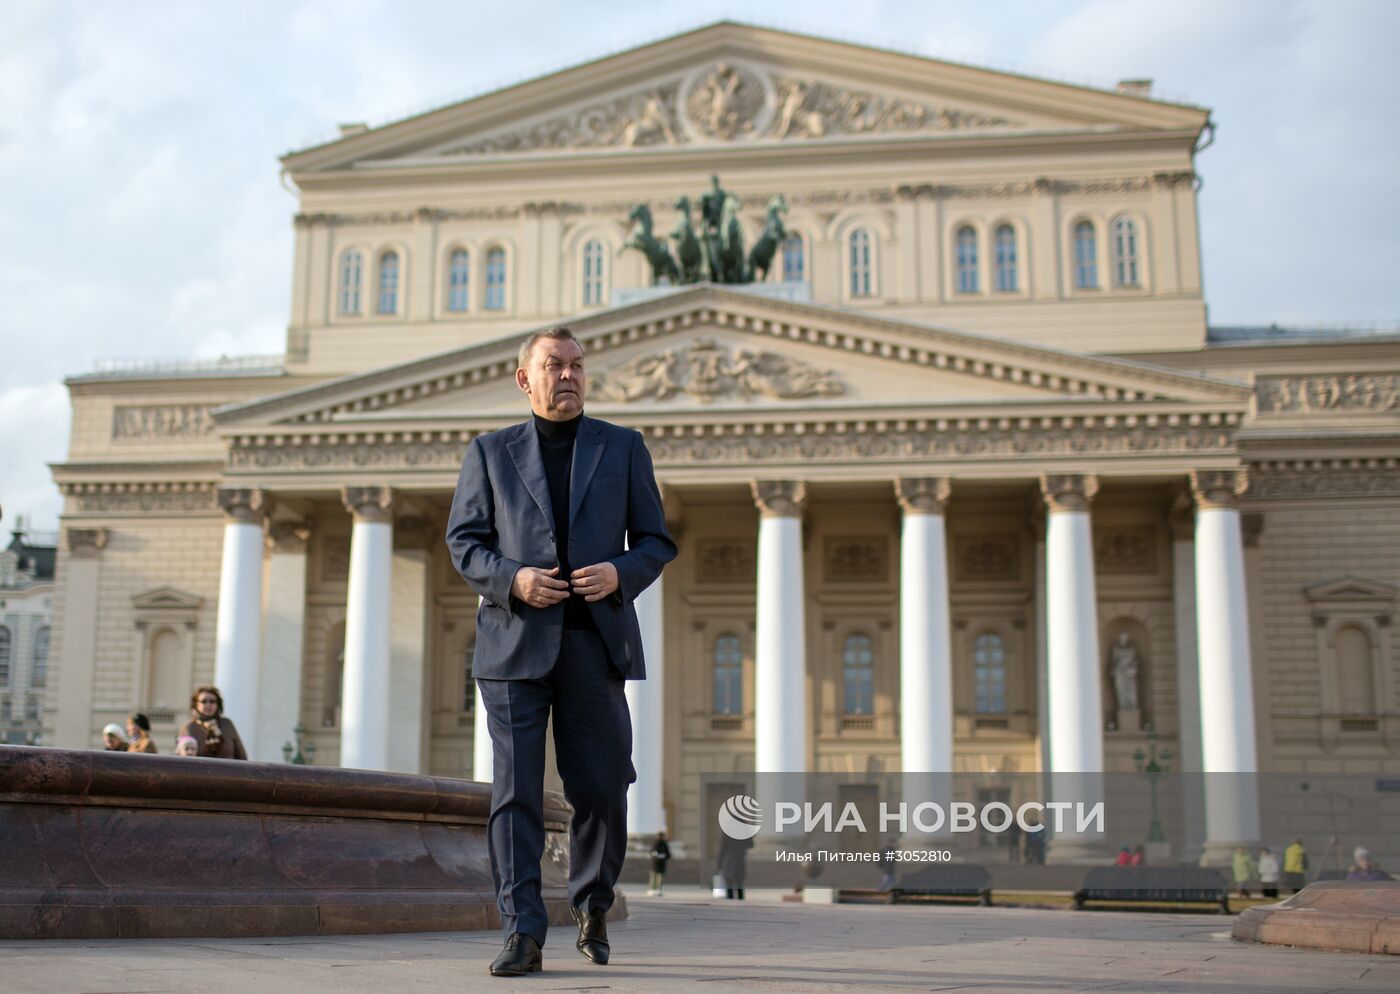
[
  {"x": 925, "y": 640},
  {"x": 925, "y": 651},
  {"x": 780, "y": 698},
  {"x": 410, "y": 582},
  {"x": 364, "y": 725},
  {"x": 71, "y": 680},
  {"x": 1228, "y": 750},
  {"x": 1188, "y": 697},
  {"x": 1072, "y": 649},
  {"x": 279, "y": 681},
  {"x": 646, "y": 814},
  {"x": 239, "y": 627},
  {"x": 483, "y": 759}
]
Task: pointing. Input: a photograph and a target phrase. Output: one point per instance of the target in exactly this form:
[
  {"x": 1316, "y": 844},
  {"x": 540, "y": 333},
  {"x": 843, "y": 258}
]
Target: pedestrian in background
[
  {"x": 138, "y": 727},
  {"x": 113, "y": 739},
  {"x": 660, "y": 853},
  {"x": 1295, "y": 866},
  {"x": 1268, "y": 872},
  {"x": 1242, "y": 866},
  {"x": 214, "y": 734},
  {"x": 185, "y": 745},
  {"x": 733, "y": 865},
  {"x": 1365, "y": 868}
]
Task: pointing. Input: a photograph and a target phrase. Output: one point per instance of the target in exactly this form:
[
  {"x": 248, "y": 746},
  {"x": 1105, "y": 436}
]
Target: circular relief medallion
[{"x": 727, "y": 102}]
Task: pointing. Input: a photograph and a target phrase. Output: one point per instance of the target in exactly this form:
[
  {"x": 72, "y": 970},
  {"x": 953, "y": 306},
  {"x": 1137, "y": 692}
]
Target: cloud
[{"x": 33, "y": 432}]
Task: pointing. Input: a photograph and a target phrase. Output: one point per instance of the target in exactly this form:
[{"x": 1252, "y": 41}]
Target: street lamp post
[
  {"x": 1152, "y": 764},
  {"x": 303, "y": 753}
]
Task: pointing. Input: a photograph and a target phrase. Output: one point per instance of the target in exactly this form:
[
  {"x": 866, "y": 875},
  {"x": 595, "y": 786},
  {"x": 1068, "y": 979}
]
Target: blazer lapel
[
  {"x": 529, "y": 463},
  {"x": 588, "y": 453}
]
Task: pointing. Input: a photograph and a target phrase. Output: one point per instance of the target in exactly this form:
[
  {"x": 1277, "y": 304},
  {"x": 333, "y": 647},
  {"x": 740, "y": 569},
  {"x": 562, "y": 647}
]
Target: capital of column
[
  {"x": 1068, "y": 491},
  {"x": 779, "y": 498},
  {"x": 369, "y": 504},
  {"x": 243, "y": 505},
  {"x": 288, "y": 536},
  {"x": 86, "y": 543},
  {"x": 1181, "y": 517},
  {"x": 923, "y": 494},
  {"x": 1218, "y": 487}
]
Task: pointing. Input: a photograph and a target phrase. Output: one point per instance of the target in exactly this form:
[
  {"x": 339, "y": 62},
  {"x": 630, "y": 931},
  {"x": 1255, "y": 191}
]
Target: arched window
[
  {"x": 1006, "y": 259},
  {"x": 989, "y": 660},
  {"x": 39, "y": 674},
  {"x": 389, "y": 282},
  {"x": 496, "y": 279},
  {"x": 168, "y": 685},
  {"x": 729, "y": 675},
  {"x": 1086, "y": 256},
  {"x": 794, "y": 259},
  {"x": 1125, "y": 252},
  {"x": 858, "y": 675},
  {"x": 968, "y": 277},
  {"x": 1355, "y": 682},
  {"x": 351, "y": 269},
  {"x": 593, "y": 273},
  {"x": 860, "y": 263},
  {"x": 459, "y": 274}
]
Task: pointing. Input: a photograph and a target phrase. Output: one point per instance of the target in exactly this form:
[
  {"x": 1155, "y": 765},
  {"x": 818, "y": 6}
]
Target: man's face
[
  {"x": 131, "y": 729},
  {"x": 553, "y": 379}
]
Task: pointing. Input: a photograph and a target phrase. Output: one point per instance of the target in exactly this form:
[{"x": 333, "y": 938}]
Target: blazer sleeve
[
  {"x": 649, "y": 544},
  {"x": 471, "y": 532}
]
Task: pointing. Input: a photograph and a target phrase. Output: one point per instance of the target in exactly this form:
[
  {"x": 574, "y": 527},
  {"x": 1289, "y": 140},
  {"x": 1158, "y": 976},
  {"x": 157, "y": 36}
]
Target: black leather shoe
[
  {"x": 592, "y": 935},
  {"x": 520, "y": 956}
]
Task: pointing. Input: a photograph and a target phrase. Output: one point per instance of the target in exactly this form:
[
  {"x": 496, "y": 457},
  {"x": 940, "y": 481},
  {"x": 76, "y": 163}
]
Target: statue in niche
[{"x": 1125, "y": 666}]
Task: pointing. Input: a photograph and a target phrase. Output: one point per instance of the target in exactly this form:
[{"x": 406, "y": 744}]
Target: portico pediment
[
  {"x": 733, "y": 84},
  {"x": 706, "y": 353}
]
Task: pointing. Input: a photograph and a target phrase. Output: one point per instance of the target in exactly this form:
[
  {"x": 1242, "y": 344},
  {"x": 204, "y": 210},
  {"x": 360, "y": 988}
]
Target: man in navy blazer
[{"x": 537, "y": 528}]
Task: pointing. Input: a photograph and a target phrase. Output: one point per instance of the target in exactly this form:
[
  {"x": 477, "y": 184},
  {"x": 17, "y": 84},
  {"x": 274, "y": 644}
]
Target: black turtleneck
[{"x": 557, "y": 448}]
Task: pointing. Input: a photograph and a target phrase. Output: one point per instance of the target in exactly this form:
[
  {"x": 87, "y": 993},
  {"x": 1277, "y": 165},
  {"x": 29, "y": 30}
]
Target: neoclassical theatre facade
[{"x": 965, "y": 483}]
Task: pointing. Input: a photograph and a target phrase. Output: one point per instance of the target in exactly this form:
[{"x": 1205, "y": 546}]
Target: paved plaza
[{"x": 687, "y": 942}]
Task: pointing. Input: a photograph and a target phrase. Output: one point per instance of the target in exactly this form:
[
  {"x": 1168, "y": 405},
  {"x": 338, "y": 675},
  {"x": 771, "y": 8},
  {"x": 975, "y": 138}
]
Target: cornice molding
[{"x": 1059, "y": 373}]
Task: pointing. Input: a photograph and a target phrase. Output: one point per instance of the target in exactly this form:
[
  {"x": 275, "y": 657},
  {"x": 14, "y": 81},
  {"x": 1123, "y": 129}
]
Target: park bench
[
  {"x": 1166, "y": 884},
  {"x": 945, "y": 880}
]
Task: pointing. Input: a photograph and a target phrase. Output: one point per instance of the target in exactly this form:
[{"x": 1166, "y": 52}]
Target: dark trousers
[{"x": 593, "y": 747}]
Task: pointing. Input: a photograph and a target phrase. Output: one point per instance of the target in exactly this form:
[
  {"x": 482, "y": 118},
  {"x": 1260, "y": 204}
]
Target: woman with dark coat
[
  {"x": 660, "y": 853},
  {"x": 213, "y": 733},
  {"x": 733, "y": 862}
]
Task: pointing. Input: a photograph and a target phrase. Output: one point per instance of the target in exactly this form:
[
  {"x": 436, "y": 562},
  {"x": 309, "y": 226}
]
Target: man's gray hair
[{"x": 557, "y": 333}]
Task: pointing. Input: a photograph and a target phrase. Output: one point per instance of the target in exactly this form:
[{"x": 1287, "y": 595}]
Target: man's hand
[
  {"x": 595, "y": 582},
  {"x": 538, "y": 587}
]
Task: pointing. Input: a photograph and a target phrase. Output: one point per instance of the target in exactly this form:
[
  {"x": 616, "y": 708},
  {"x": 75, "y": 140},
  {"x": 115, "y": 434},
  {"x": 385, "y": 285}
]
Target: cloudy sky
[{"x": 142, "y": 215}]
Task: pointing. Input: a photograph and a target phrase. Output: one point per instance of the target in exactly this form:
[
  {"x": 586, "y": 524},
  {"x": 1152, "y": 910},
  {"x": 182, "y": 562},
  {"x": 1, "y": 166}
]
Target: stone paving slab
[{"x": 686, "y": 942}]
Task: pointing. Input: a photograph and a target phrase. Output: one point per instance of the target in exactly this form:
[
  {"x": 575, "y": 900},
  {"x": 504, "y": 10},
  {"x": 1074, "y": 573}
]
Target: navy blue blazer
[{"x": 502, "y": 519}]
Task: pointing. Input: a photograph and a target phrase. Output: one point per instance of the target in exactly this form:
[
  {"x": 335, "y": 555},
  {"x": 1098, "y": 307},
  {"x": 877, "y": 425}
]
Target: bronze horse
[
  {"x": 663, "y": 265},
  {"x": 688, "y": 252},
  {"x": 774, "y": 233}
]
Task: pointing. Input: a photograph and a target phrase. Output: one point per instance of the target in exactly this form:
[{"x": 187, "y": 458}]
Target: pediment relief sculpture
[
  {"x": 729, "y": 102},
  {"x": 707, "y": 371}
]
